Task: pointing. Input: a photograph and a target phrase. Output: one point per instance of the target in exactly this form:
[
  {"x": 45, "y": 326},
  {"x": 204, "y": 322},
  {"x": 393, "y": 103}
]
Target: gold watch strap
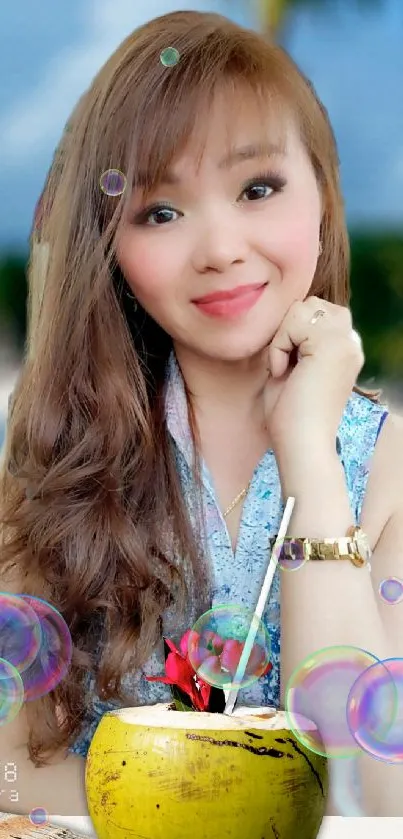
[{"x": 354, "y": 547}]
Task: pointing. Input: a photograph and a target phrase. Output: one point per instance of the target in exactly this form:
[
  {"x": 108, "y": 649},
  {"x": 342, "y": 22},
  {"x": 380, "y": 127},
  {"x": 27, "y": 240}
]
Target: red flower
[
  {"x": 219, "y": 656},
  {"x": 216, "y": 655},
  {"x": 180, "y": 672}
]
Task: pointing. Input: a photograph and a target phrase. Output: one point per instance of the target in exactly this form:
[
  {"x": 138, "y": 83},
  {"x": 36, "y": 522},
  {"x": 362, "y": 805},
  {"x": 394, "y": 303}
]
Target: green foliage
[
  {"x": 377, "y": 299},
  {"x": 364, "y": 5},
  {"x": 13, "y": 294},
  {"x": 277, "y": 14}
]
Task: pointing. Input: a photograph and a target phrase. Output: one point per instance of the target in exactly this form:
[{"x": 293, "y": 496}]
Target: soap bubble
[
  {"x": 20, "y": 632},
  {"x": 318, "y": 690},
  {"x": 11, "y": 692},
  {"x": 113, "y": 182},
  {"x": 54, "y": 656},
  {"x": 290, "y": 554},
  {"x": 169, "y": 57},
  {"x": 368, "y": 700},
  {"x": 391, "y": 590},
  {"x": 216, "y": 643},
  {"x": 38, "y": 816},
  {"x": 35, "y": 642}
]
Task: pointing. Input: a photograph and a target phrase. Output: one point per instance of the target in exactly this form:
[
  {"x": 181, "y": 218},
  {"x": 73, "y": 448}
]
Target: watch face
[{"x": 363, "y": 548}]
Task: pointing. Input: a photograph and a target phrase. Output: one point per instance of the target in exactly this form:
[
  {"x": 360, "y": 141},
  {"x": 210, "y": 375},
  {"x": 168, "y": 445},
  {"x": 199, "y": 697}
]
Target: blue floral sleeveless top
[{"x": 237, "y": 578}]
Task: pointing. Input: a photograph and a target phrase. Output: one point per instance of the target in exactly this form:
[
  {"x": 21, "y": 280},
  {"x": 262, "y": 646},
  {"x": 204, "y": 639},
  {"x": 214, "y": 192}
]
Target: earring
[
  {"x": 134, "y": 303},
  {"x": 320, "y": 248}
]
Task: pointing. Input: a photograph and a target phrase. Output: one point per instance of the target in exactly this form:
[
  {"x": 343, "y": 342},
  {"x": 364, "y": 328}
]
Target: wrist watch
[{"x": 354, "y": 546}]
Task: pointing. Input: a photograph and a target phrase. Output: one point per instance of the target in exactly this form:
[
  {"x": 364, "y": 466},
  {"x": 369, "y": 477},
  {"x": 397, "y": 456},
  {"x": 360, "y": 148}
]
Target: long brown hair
[{"x": 89, "y": 482}]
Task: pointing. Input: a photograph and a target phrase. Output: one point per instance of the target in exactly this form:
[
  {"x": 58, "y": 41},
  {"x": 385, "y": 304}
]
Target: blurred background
[{"x": 350, "y": 49}]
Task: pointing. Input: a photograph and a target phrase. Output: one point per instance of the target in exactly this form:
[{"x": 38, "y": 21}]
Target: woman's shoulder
[
  {"x": 363, "y": 412},
  {"x": 375, "y": 428},
  {"x": 371, "y": 438},
  {"x": 357, "y": 441},
  {"x": 386, "y": 477},
  {"x": 360, "y": 427}
]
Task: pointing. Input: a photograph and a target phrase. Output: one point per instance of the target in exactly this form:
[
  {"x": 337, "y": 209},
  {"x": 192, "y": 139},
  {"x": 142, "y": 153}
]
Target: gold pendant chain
[{"x": 236, "y": 501}]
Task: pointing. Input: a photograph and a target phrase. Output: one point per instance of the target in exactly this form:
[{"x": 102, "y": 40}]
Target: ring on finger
[{"x": 320, "y": 313}]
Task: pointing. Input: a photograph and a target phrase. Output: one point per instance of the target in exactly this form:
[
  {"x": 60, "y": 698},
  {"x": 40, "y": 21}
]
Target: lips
[
  {"x": 231, "y": 304},
  {"x": 231, "y": 294}
]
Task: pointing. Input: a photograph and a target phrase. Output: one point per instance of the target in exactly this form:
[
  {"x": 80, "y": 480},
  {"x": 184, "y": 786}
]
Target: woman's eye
[
  {"x": 158, "y": 212},
  {"x": 274, "y": 183},
  {"x": 259, "y": 190}
]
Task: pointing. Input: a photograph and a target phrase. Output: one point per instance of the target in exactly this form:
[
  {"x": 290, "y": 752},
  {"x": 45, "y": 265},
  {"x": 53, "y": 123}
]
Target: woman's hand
[{"x": 304, "y": 403}]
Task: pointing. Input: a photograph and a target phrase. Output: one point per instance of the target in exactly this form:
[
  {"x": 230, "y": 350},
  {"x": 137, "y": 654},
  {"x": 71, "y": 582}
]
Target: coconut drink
[
  {"x": 158, "y": 773},
  {"x": 163, "y": 771}
]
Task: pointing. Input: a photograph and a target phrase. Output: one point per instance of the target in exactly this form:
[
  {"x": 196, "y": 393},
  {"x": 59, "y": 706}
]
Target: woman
[{"x": 202, "y": 310}]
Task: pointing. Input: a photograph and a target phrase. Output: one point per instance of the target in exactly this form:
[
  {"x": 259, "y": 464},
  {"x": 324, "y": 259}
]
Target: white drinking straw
[{"x": 231, "y": 695}]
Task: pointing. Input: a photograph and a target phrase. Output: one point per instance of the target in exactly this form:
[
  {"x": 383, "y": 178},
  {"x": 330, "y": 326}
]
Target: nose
[{"x": 220, "y": 244}]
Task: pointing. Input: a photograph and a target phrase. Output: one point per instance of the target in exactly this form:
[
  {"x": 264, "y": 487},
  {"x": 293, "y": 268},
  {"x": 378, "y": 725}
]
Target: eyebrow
[{"x": 237, "y": 155}]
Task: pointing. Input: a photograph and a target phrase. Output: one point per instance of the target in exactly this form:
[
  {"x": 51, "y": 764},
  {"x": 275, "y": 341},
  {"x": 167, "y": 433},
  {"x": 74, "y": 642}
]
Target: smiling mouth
[
  {"x": 232, "y": 294},
  {"x": 232, "y": 305}
]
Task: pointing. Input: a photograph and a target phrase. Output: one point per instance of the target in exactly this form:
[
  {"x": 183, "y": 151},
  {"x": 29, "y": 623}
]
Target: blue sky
[{"x": 50, "y": 51}]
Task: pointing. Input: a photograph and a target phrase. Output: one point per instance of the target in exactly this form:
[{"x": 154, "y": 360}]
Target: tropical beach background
[{"x": 350, "y": 49}]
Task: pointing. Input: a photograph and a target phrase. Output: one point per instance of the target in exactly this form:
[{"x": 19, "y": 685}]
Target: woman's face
[{"x": 254, "y": 222}]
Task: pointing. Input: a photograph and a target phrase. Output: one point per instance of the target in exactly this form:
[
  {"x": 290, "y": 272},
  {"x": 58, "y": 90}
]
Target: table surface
[
  {"x": 332, "y": 828},
  {"x": 79, "y": 827}
]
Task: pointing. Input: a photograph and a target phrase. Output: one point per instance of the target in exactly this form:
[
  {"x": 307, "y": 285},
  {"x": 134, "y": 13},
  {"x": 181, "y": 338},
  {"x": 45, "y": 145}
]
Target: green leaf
[{"x": 180, "y": 703}]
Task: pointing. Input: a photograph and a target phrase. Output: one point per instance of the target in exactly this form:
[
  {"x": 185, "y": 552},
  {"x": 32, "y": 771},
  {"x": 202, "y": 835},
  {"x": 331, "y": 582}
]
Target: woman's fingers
[{"x": 305, "y": 329}]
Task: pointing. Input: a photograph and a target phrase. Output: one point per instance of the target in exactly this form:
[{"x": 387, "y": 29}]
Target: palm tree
[{"x": 274, "y": 14}]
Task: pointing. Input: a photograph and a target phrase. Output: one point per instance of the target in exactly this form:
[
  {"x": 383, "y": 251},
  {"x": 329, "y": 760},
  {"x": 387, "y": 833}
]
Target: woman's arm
[
  {"x": 333, "y": 603},
  {"x": 59, "y": 787}
]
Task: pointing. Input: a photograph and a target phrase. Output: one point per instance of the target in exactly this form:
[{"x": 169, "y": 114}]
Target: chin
[{"x": 235, "y": 350}]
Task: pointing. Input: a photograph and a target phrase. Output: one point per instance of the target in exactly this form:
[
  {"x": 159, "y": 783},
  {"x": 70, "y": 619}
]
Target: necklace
[{"x": 236, "y": 501}]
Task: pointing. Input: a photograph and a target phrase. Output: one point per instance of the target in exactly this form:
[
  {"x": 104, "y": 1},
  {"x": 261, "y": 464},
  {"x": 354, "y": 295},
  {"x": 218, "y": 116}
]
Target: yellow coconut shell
[{"x": 156, "y": 773}]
